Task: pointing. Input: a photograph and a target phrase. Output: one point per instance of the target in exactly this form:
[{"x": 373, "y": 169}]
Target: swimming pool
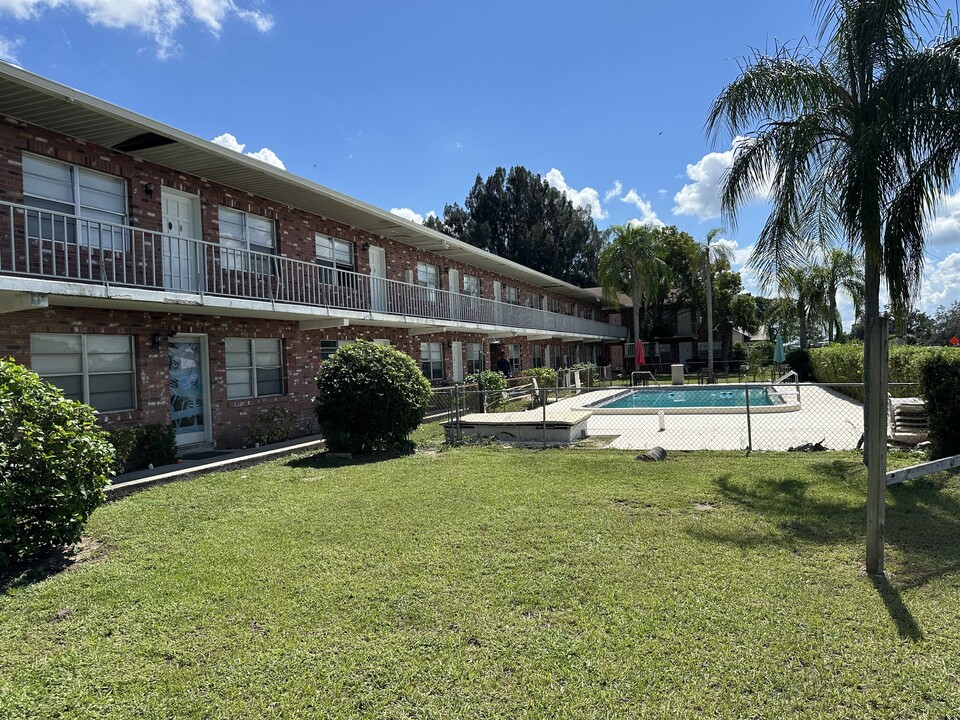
[{"x": 699, "y": 399}]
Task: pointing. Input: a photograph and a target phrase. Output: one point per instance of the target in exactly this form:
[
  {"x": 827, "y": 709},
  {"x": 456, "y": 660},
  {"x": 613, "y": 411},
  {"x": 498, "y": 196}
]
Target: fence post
[
  {"x": 876, "y": 449},
  {"x": 746, "y": 397},
  {"x": 543, "y": 402},
  {"x": 482, "y": 400}
]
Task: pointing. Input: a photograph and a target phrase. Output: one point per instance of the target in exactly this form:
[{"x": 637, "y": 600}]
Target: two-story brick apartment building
[{"x": 163, "y": 278}]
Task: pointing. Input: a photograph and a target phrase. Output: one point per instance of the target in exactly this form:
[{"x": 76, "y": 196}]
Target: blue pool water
[{"x": 712, "y": 396}]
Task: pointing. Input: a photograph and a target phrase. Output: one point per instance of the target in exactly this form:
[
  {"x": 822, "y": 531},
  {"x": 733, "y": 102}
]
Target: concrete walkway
[{"x": 211, "y": 460}]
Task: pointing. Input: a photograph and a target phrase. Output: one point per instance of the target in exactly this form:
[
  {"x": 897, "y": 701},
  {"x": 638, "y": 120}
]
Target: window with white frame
[
  {"x": 246, "y": 241},
  {"x": 513, "y": 355},
  {"x": 94, "y": 369},
  {"x": 474, "y": 358},
  {"x": 511, "y": 295},
  {"x": 329, "y": 347},
  {"x": 333, "y": 255},
  {"x": 428, "y": 275},
  {"x": 382, "y": 341},
  {"x": 98, "y": 200},
  {"x": 471, "y": 285},
  {"x": 254, "y": 367},
  {"x": 431, "y": 360},
  {"x": 553, "y": 305}
]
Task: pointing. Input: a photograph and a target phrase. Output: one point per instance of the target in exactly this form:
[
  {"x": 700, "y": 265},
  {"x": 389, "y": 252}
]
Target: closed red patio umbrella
[{"x": 640, "y": 358}]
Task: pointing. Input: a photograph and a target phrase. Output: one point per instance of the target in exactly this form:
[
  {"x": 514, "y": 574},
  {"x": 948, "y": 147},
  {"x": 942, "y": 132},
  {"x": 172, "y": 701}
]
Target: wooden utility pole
[{"x": 876, "y": 443}]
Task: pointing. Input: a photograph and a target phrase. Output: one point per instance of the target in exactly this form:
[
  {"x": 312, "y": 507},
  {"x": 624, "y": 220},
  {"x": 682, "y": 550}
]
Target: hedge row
[{"x": 936, "y": 369}]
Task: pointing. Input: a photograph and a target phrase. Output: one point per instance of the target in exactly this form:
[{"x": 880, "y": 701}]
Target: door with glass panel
[
  {"x": 181, "y": 252},
  {"x": 189, "y": 407}
]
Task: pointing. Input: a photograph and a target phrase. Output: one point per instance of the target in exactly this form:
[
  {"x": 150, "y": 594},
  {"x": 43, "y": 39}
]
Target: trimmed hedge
[
  {"x": 940, "y": 384},
  {"x": 54, "y": 463},
  {"x": 844, "y": 364},
  {"x": 369, "y": 397}
]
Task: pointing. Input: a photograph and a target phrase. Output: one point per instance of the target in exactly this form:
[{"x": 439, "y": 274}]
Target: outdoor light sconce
[
  {"x": 365, "y": 246},
  {"x": 149, "y": 189},
  {"x": 156, "y": 340}
]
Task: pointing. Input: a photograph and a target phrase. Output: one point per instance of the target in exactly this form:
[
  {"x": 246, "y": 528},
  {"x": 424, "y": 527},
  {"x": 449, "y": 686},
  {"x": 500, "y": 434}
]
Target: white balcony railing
[{"x": 44, "y": 244}]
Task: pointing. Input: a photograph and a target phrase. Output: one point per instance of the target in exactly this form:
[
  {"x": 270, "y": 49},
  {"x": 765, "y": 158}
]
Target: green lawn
[{"x": 489, "y": 583}]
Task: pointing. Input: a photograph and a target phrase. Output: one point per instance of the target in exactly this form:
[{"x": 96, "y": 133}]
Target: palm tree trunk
[
  {"x": 709, "y": 288},
  {"x": 832, "y": 319},
  {"x": 635, "y": 296}
]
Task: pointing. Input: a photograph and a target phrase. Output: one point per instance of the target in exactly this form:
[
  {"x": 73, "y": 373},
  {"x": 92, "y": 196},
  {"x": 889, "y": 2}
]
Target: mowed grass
[{"x": 493, "y": 583}]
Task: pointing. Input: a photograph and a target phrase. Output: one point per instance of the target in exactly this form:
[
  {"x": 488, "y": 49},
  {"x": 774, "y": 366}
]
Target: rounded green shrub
[
  {"x": 369, "y": 397},
  {"x": 54, "y": 463},
  {"x": 546, "y": 377},
  {"x": 940, "y": 387}
]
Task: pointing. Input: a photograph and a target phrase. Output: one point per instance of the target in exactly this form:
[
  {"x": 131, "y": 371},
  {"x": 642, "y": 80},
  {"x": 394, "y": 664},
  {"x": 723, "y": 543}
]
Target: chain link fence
[{"x": 746, "y": 416}]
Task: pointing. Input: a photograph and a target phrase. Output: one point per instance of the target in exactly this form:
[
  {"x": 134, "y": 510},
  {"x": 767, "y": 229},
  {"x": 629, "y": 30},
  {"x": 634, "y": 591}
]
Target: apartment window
[
  {"x": 94, "y": 369},
  {"x": 474, "y": 358},
  {"x": 553, "y": 305},
  {"x": 471, "y": 285},
  {"x": 329, "y": 347},
  {"x": 431, "y": 360},
  {"x": 254, "y": 367},
  {"x": 511, "y": 295},
  {"x": 513, "y": 355},
  {"x": 567, "y": 309},
  {"x": 428, "y": 275},
  {"x": 333, "y": 255},
  {"x": 98, "y": 200},
  {"x": 381, "y": 341},
  {"x": 538, "y": 355},
  {"x": 245, "y": 241}
]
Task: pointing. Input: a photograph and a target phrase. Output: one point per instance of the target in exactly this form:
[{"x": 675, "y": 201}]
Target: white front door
[
  {"x": 378, "y": 278},
  {"x": 189, "y": 395},
  {"x": 497, "y": 309},
  {"x": 181, "y": 225},
  {"x": 456, "y": 348}
]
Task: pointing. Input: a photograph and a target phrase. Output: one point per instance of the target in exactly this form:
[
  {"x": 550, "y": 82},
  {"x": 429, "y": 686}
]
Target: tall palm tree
[
  {"x": 805, "y": 289},
  {"x": 840, "y": 271},
  {"x": 629, "y": 263},
  {"x": 864, "y": 138},
  {"x": 706, "y": 258}
]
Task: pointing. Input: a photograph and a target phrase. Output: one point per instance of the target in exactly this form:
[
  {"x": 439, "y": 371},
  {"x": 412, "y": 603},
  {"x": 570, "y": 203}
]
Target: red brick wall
[{"x": 295, "y": 229}]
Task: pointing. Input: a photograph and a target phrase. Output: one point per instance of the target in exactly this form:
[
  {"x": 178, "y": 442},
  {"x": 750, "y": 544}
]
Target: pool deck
[{"x": 824, "y": 415}]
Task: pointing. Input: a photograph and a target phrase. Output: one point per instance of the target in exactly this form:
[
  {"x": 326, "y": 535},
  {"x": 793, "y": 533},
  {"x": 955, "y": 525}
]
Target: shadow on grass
[
  {"x": 55, "y": 561},
  {"x": 899, "y": 613},
  {"x": 334, "y": 460},
  {"x": 828, "y": 507}
]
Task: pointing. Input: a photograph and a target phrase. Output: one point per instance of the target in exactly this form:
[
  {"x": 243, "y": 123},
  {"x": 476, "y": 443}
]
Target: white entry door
[
  {"x": 378, "y": 278},
  {"x": 189, "y": 396},
  {"x": 456, "y": 348},
  {"x": 453, "y": 278},
  {"x": 497, "y": 308},
  {"x": 181, "y": 219}
]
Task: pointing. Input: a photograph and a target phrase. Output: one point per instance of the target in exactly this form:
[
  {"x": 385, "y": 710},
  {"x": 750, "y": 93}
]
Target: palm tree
[
  {"x": 707, "y": 256},
  {"x": 805, "y": 290},
  {"x": 629, "y": 264},
  {"x": 864, "y": 138},
  {"x": 841, "y": 272}
]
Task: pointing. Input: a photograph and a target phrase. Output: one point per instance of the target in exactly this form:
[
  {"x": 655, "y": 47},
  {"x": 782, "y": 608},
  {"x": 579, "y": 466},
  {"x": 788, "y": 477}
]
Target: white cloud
[
  {"x": 649, "y": 217},
  {"x": 941, "y": 283},
  {"x": 702, "y": 196},
  {"x": 263, "y": 154},
  {"x": 159, "y": 19},
  {"x": 614, "y": 192},
  {"x": 586, "y": 198},
  {"x": 945, "y": 227},
  {"x": 408, "y": 214},
  {"x": 8, "y": 48}
]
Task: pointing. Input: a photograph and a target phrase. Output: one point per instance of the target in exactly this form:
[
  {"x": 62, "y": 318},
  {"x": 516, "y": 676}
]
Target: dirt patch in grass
[{"x": 28, "y": 572}]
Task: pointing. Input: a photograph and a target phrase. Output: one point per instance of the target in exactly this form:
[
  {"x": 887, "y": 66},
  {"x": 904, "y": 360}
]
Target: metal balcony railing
[{"x": 45, "y": 244}]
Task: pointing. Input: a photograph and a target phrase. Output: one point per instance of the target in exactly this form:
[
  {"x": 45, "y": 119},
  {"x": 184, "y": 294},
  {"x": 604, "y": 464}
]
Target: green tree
[
  {"x": 863, "y": 136},
  {"x": 946, "y": 324},
  {"x": 707, "y": 256},
  {"x": 629, "y": 264},
  {"x": 805, "y": 290},
  {"x": 519, "y": 216},
  {"x": 841, "y": 272}
]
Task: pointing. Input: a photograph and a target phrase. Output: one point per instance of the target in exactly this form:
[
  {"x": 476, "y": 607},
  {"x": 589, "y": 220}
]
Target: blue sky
[{"x": 403, "y": 104}]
